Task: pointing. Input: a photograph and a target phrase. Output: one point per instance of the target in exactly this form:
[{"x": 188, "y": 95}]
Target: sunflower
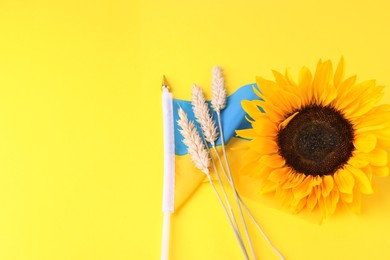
[{"x": 320, "y": 140}]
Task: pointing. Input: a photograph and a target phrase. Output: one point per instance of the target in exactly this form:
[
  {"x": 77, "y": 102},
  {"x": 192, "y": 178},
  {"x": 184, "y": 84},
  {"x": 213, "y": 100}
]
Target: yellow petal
[
  {"x": 383, "y": 138},
  {"x": 365, "y": 106},
  {"x": 380, "y": 171},
  {"x": 343, "y": 91},
  {"x": 285, "y": 122},
  {"x": 365, "y": 142},
  {"x": 298, "y": 206},
  {"x": 361, "y": 180},
  {"x": 322, "y": 77},
  {"x": 251, "y": 109},
  {"x": 368, "y": 172},
  {"x": 279, "y": 78},
  {"x": 317, "y": 180},
  {"x": 250, "y": 156},
  {"x": 348, "y": 198},
  {"x": 327, "y": 185},
  {"x": 357, "y": 163},
  {"x": 328, "y": 205},
  {"x": 354, "y": 95},
  {"x": 380, "y": 118},
  {"x": 257, "y": 91},
  {"x": 290, "y": 79},
  {"x": 356, "y": 202},
  {"x": 371, "y": 129},
  {"x": 329, "y": 94},
  {"x": 284, "y": 100},
  {"x": 322, "y": 206},
  {"x": 263, "y": 145},
  {"x": 274, "y": 113},
  {"x": 268, "y": 187},
  {"x": 335, "y": 197},
  {"x": 293, "y": 181},
  {"x": 265, "y": 127},
  {"x": 312, "y": 199},
  {"x": 278, "y": 175},
  {"x": 249, "y": 133},
  {"x": 305, "y": 83},
  {"x": 344, "y": 181},
  {"x": 273, "y": 161},
  {"x": 261, "y": 171},
  {"x": 377, "y": 157},
  {"x": 339, "y": 74},
  {"x": 304, "y": 188},
  {"x": 250, "y": 168}
]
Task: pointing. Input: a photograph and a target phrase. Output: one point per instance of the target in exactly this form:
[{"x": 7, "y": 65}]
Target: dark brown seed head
[{"x": 317, "y": 141}]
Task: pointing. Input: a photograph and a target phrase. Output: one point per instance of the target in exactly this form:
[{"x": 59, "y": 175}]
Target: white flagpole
[{"x": 169, "y": 168}]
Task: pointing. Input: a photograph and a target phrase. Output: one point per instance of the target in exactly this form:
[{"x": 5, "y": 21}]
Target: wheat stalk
[
  {"x": 202, "y": 115},
  {"x": 201, "y": 158},
  {"x": 218, "y": 90},
  {"x": 192, "y": 140},
  {"x": 218, "y": 103}
]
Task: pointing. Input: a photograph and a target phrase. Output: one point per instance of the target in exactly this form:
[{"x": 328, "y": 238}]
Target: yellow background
[{"x": 81, "y": 124}]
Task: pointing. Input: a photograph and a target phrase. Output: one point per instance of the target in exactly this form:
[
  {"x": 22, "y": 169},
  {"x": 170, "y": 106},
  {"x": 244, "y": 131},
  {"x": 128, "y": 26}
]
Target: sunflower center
[{"x": 317, "y": 141}]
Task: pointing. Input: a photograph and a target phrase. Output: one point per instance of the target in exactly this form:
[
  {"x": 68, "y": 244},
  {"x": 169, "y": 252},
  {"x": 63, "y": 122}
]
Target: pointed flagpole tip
[{"x": 165, "y": 83}]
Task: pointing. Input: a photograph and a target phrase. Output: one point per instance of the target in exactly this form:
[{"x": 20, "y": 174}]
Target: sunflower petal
[
  {"x": 268, "y": 186},
  {"x": 285, "y": 122},
  {"x": 257, "y": 91},
  {"x": 280, "y": 79},
  {"x": 381, "y": 118},
  {"x": 278, "y": 175},
  {"x": 330, "y": 93},
  {"x": 305, "y": 82},
  {"x": 353, "y": 96},
  {"x": 383, "y": 138},
  {"x": 263, "y": 145},
  {"x": 322, "y": 78},
  {"x": 377, "y": 157},
  {"x": 284, "y": 100},
  {"x": 361, "y": 179},
  {"x": 357, "y": 163},
  {"x": 260, "y": 171},
  {"x": 304, "y": 188},
  {"x": 251, "y": 109},
  {"x": 380, "y": 171},
  {"x": 365, "y": 143},
  {"x": 312, "y": 199},
  {"x": 344, "y": 181},
  {"x": 335, "y": 197},
  {"x": 348, "y": 198},
  {"x": 273, "y": 161},
  {"x": 327, "y": 185},
  {"x": 339, "y": 74},
  {"x": 343, "y": 91},
  {"x": 356, "y": 202},
  {"x": 298, "y": 206},
  {"x": 274, "y": 113},
  {"x": 294, "y": 181},
  {"x": 249, "y": 133},
  {"x": 327, "y": 204},
  {"x": 289, "y": 78},
  {"x": 264, "y": 127}
]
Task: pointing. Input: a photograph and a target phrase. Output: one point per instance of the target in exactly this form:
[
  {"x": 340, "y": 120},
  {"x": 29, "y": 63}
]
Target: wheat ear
[
  {"x": 201, "y": 158},
  {"x": 218, "y": 90},
  {"x": 202, "y": 115},
  {"x": 192, "y": 140}
]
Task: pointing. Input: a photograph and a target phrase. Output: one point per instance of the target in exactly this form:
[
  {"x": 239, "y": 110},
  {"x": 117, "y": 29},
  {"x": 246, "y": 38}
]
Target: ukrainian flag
[{"x": 233, "y": 118}]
